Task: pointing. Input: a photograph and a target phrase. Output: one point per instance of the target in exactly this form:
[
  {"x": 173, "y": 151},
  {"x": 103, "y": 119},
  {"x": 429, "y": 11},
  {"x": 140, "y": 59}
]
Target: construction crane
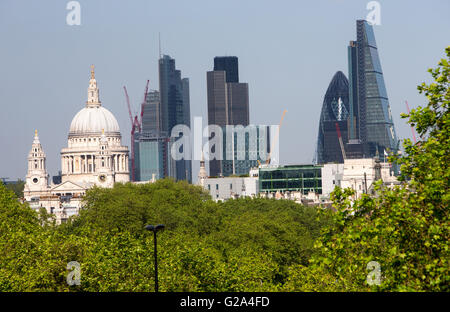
[
  {"x": 276, "y": 138},
  {"x": 412, "y": 128},
  {"x": 145, "y": 101},
  {"x": 344, "y": 156},
  {"x": 136, "y": 126}
]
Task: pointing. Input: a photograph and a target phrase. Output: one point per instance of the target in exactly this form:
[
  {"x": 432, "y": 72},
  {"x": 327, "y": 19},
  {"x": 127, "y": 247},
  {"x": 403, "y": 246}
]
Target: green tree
[{"x": 16, "y": 187}]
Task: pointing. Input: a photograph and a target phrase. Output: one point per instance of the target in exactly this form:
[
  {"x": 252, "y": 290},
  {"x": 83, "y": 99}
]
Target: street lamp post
[{"x": 154, "y": 229}]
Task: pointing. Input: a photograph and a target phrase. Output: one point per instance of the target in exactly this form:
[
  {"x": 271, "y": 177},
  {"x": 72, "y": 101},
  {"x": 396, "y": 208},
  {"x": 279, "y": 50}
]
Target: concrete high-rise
[{"x": 228, "y": 102}]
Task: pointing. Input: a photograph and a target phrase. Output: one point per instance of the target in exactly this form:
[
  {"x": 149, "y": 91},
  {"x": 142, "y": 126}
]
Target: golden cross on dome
[
  {"x": 35, "y": 133},
  {"x": 92, "y": 72}
]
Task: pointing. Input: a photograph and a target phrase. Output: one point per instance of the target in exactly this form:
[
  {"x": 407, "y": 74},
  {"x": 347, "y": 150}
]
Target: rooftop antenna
[{"x": 159, "y": 38}]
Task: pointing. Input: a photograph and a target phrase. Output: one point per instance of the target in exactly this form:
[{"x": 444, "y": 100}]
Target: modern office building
[
  {"x": 244, "y": 148},
  {"x": 230, "y": 65},
  {"x": 364, "y": 116},
  {"x": 292, "y": 178},
  {"x": 335, "y": 113},
  {"x": 313, "y": 184},
  {"x": 152, "y": 156},
  {"x": 151, "y": 115},
  {"x": 151, "y": 145},
  {"x": 372, "y": 123},
  {"x": 175, "y": 107},
  {"x": 228, "y": 101}
]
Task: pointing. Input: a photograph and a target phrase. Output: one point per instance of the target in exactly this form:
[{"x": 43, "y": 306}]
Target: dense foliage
[
  {"x": 16, "y": 187},
  {"x": 245, "y": 244}
]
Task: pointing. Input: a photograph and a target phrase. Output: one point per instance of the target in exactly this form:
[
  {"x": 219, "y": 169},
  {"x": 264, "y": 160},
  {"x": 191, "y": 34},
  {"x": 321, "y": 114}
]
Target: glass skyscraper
[
  {"x": 230, "y": 65},
  {"x": 152, "y": 144},
  {"x": 243, "y": 149},
  {"x": 373, "y": 124},
  {"x": 335, "y": 111},
  {"x": 175, "y": 107},
  {"x": 152, "y": 157},
  {"x": 368, "y": 125}
]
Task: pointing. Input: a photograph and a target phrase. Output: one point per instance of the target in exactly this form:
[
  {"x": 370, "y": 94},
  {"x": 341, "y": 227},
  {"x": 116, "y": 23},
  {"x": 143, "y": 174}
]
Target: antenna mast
[{"x": 159, "y": 38}]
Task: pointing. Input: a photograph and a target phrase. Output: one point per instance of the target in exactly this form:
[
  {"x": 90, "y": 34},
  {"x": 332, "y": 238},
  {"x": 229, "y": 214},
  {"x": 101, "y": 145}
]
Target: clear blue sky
[{"x": 288, "y": 52}]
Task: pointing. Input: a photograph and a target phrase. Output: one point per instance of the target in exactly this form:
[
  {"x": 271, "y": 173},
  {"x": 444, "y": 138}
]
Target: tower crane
[
  {"x": 136, "y": 126},
  {"x": 145, "y": 101},
  {"x": 344, "y": 156}
]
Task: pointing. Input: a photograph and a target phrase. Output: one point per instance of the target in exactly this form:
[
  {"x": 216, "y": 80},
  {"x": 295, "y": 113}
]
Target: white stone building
[
  {"x": 94, "y": 156},
  {"x": 360, "y": 174},
  {"x": 224, "y": 188}
]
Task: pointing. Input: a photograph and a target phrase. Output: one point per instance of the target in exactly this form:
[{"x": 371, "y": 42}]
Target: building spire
[
  {"x": 93, "y": 93},
  {"x": 36, "y": 137}
]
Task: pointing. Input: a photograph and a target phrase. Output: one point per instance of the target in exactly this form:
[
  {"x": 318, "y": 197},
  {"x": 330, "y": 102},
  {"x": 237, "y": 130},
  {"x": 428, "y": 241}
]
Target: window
[
  {"x": 217, "y": 186},
  {"x": 209, "y": 187},
  {"x": 231, "y": 186}
]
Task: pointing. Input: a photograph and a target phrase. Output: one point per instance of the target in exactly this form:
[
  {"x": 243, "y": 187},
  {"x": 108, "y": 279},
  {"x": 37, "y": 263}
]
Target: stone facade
[{"x": 94, "y": 156}]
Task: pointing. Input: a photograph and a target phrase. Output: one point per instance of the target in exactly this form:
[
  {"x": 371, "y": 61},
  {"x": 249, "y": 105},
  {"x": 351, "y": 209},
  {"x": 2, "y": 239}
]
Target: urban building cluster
[
  {"x": 355, "y": 127},
  {"x": 356, "y": 132}
]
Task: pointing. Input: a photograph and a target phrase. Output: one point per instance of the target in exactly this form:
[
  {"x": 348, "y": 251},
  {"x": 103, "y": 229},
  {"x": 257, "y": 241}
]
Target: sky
[{"x": 288, "y": 53}]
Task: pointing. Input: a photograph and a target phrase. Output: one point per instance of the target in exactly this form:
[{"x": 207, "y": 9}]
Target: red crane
[
  {"x": 412, "y": 128},
  {"x": 136, "y": 126},
  {"x": 344, "y": 156}
]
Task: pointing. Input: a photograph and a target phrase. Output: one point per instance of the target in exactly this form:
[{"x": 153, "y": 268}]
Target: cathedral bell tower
[{"x": 37, "y": 176}]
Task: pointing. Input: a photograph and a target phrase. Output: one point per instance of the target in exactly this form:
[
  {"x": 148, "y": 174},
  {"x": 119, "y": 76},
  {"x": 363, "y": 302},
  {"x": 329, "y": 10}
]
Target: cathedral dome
[{"x": 92, "y": 120}]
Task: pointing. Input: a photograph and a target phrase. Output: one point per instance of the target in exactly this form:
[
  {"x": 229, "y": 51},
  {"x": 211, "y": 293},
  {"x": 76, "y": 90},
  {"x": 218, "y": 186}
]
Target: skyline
[{"x": 52, "y": 66}]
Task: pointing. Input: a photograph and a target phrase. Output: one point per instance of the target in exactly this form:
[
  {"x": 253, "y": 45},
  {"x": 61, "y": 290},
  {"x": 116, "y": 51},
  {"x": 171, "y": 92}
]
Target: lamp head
[
  {"x": 149, "y": 227},
  {"x": 154, "y": 228}
]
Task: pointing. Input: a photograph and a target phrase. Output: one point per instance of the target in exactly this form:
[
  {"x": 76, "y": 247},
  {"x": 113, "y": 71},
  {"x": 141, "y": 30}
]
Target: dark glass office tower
[
  {"x": 151, "y": 116},
  {"x": 368, "y": 126},
  {"x": 335, "y": 113},
  {"x": 175, "y": 106},
  {"x": 372, "y": 123},
  {"x": 228, "y": 102},
  {"x": 229, "y": 64}
]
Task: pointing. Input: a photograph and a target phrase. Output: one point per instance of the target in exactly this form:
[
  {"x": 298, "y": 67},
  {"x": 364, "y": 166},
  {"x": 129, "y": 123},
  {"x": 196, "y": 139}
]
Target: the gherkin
[{"x": 335, "y": 110}]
